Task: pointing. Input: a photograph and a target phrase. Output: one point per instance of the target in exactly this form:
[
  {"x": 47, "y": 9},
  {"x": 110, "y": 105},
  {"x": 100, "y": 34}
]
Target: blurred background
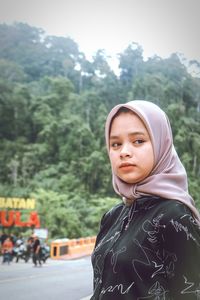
[{"x": 63, "y": 66}]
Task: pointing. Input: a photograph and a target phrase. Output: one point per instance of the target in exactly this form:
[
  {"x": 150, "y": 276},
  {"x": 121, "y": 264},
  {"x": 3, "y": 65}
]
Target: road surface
[{"x": 55, "y": 280}]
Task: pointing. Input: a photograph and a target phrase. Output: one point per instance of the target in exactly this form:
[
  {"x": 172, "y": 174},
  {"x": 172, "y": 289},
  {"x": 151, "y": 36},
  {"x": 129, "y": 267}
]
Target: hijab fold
[{"x": 168, "y": 178}]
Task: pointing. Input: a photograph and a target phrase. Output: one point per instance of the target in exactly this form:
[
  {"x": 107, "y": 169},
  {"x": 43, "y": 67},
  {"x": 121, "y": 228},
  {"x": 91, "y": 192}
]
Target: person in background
[
  {"x": 148, "y": 246},
  {"x": 7, "y": 250},
  {"x": 3, "y": 237},
  {"x": 36, "y": 250},
  {"x": 29, "y": 246}
]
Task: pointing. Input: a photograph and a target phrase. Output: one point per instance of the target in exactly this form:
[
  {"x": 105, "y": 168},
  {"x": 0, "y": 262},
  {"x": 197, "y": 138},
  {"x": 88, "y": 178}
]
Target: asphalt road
[{"x": 55, "y": 280}]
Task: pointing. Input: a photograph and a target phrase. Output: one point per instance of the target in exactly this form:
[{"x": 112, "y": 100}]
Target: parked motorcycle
[
  {"x": 44, "y": 253},
  {"x": 22, "y": 251}
]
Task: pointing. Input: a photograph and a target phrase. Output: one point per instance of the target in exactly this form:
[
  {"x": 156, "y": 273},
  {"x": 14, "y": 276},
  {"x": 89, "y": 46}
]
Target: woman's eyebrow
[
  {"x": 112, "y": 137},
  {"x": 136, "y": 133}
]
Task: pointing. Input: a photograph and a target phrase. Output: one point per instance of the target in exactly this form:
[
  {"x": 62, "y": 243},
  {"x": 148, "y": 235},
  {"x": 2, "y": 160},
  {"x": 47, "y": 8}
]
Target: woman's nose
[{"x": 125, "y": 151}]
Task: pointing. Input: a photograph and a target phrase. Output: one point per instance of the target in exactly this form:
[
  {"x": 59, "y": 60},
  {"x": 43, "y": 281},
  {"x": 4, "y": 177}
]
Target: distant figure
[
  {"x": 29, "y": 246},
  {"x": 7, "y": 249},
  {"x": 36, "y": 250},
  {"x": 3, "y": 237}
]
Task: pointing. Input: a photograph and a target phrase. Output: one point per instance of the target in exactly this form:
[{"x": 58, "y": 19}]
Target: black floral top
[{"x": 150, "y": 250}]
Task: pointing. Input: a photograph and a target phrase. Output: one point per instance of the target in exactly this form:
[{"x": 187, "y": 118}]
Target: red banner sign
[{"x": 13, "y": 218}]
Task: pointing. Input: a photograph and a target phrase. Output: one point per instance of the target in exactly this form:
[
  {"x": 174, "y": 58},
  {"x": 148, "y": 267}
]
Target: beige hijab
[{"x": 168, "y": 178}]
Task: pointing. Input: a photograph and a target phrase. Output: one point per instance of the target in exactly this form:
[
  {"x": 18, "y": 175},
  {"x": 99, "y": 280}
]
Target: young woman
[{"x": 148, "y": 246}]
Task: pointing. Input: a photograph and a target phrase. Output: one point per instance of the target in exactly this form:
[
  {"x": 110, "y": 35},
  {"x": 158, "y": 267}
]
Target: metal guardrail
[{"x": 70, "y": 247}]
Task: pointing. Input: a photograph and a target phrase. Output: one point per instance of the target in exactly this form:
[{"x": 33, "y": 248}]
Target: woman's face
[{"x": 130, "y": 148}]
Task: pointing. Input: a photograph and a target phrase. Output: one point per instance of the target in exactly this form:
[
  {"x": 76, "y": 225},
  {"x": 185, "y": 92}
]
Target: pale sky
[{"x": 160, "y": 26}]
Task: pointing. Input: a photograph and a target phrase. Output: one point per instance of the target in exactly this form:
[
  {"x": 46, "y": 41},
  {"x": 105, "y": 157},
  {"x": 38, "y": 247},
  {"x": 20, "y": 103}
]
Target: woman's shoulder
[
  {"x": 113, "y": 213},
  {"x": 169, "y": 212},
  {"x": 176, "y": 214},
  {"x": 108, "y": 219},
  {"x": 172, "y": 208}
]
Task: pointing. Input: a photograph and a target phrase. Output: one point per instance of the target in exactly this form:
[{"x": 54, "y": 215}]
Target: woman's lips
[{"x": 126, "y": 166}]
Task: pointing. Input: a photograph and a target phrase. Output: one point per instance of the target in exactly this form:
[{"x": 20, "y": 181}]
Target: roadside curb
[{"x": 72, "y": 256}]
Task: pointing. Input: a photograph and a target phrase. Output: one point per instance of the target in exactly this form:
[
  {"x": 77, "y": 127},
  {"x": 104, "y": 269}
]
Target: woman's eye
[
  {"x": 115, "y": 145},
  {"x": 138, "y": 141}
]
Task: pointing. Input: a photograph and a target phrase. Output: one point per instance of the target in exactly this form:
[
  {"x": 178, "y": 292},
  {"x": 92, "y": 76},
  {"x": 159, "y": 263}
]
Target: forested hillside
[{"x": 53, "y": 105}]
